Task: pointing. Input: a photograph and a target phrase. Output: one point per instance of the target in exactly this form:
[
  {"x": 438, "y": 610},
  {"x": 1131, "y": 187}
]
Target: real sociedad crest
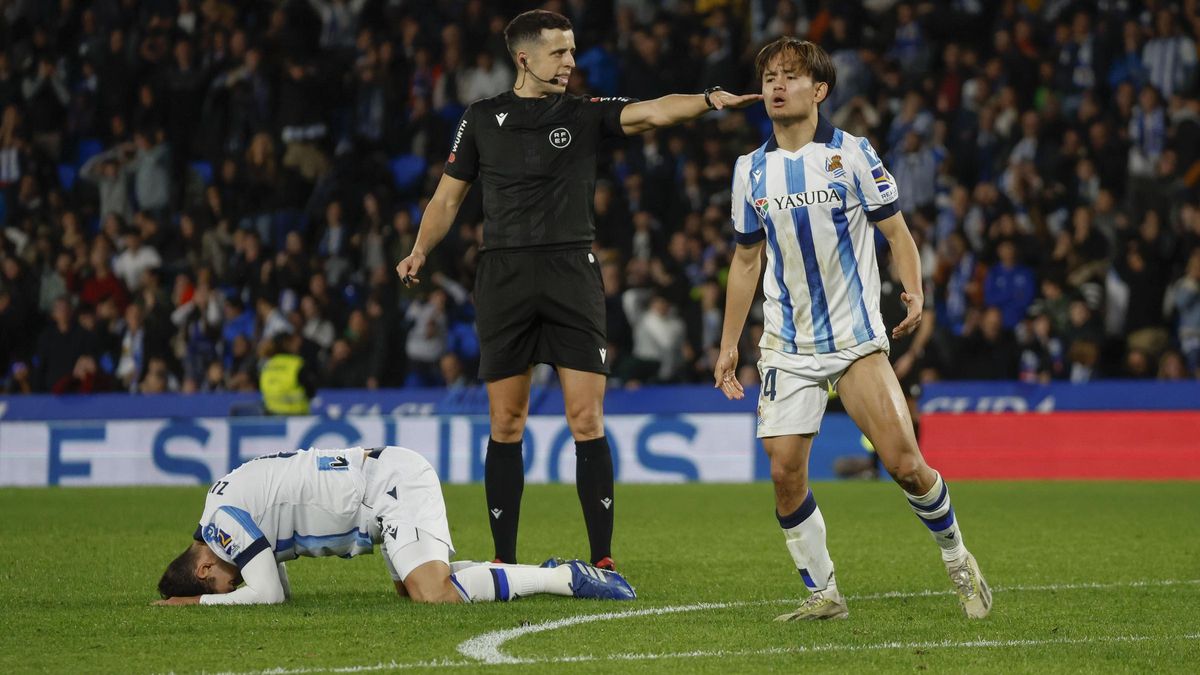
[{"x": 834, "y": 166}]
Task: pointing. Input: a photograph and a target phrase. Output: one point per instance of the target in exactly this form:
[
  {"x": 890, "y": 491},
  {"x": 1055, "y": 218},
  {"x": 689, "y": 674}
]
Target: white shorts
[
  {"x": 405, "y": 500},
  {"x": 795, "y": 387},
  {"x": 402, "y": 560}
]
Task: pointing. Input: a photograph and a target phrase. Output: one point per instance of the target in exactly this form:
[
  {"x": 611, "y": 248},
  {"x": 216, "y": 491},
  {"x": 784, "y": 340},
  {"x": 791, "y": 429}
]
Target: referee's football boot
[
  {"x": 973, "y": 592},
  {"x": 603, "y": 563},
  {"x": 818, "y": 606},
  {"x": 597, "y": 584}
]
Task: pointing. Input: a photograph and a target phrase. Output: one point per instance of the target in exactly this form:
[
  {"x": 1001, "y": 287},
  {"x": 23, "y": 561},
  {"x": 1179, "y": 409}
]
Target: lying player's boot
[
  {"x": 818, "y": 606},
  {"x": 973, "y": 592},
  {"x": 606, "y": 563},
  {"x": 551, "y": 563},
  {"x": 598, "y": 584}
]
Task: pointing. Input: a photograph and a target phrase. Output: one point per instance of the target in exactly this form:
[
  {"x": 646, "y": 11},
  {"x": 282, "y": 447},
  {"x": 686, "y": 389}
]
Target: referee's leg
[
  {"x": 504, "y": 465},
  {"x": 583, "y": 394}
]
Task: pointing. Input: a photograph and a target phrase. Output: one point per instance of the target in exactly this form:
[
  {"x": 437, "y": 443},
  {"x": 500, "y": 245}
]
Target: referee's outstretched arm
[
  {"x": 675, "y": 109},
  {"x": 435, "y": 223}
]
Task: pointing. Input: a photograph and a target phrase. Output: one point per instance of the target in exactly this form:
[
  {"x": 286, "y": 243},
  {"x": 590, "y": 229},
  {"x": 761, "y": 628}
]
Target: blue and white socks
[
  {"x": 935, "y": 511},
  {"x": 804, "y": 532},
  {"x": 488, "y": 582}
]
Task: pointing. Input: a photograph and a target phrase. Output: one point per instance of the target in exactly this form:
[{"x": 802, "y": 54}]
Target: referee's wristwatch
[{"x": 707, "y": 100}]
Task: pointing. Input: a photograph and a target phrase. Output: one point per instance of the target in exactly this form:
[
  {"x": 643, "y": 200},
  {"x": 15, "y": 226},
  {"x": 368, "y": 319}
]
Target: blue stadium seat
[
  {"x": 88, "y": 148},
  {"x": 451, "y": 113},
  {"x": 285, "y": 221},
  {"x": 205, "y": 170},
  {"x": 66, "y": 176},
  {"x": 407, "y": 170}
]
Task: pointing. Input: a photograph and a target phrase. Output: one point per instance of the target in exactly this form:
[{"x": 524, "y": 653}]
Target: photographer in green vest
[{"x": 286, "y": 382}]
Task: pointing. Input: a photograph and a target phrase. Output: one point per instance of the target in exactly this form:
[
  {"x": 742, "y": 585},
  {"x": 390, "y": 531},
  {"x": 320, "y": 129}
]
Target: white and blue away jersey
[
  {"x": 295, "y": 503},
  {"x": 814, "y": 206}
]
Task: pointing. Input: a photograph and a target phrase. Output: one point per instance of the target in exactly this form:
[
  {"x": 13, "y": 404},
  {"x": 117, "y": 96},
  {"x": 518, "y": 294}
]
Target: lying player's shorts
[
  {"x": 405, "y": 500},
  {"x": 795, "y": 387}
]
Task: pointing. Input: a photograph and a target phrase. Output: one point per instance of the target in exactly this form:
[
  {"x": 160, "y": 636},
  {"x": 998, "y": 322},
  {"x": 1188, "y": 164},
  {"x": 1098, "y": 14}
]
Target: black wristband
[{"x": 707, "y": 100}]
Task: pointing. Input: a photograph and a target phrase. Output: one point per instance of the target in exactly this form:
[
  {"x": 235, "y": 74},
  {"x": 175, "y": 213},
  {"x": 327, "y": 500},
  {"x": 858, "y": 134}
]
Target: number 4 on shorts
[{"x": 769, "y": 384}]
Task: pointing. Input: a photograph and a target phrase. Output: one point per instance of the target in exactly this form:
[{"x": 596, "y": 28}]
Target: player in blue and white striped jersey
[
  {"x": 813, "y": 197},
  {"x": 319, "y": 503}
]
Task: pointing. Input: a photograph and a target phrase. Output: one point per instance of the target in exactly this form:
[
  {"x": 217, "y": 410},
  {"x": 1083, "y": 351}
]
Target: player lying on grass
[{"x": 340, "y": 503}]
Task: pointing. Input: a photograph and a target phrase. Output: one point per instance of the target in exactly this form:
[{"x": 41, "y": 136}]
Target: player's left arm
[
  {"x": 908, "y": 264},
  {"x": 262, "y": 584},
  {"x": 675, "y": 109}
]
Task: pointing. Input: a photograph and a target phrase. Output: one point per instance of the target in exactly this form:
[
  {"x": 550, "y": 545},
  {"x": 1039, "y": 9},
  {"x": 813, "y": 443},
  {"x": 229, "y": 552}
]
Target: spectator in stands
[
  {"x": 286, "y": 381},
  {"x": 988, "y": 350},
  {"x": 220, "y": 131},
  {"x": 1170, "y": 56},
  {"x": 1009, "y": 285},
  {"x": 85, "y": 378},
  {"x": 426, "y": 341},
  {"x": 105, "y": 171},
  {"x": 59, "y": 346},
  {"x": 135, "y": 259},
  {"x": 658, "y": 340},
  {"x": 1187, "y": 304},
  {"x": 151, "y": 171}
]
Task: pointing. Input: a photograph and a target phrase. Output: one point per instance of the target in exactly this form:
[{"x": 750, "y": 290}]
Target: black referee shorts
[{"x": 539, "y": 306}]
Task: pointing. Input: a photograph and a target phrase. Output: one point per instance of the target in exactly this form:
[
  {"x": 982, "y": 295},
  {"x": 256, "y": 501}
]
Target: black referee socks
[
  {"x": 594, "y": 483},
  {"x": 504, "y": 481}
]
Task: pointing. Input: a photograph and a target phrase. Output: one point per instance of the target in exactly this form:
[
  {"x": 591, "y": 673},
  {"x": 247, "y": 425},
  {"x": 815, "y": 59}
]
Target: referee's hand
[
  {"x": 725, "y": 375},
  {"x": 407, "y": 269},
  {"x": 724, "y": 99}
]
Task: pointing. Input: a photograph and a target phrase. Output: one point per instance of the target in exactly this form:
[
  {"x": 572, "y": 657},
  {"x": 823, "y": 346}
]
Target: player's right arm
[
  {"x": 744, "y": 271},
  {"x": 743, "y": 281},
  {"x": 462, "y": 168}
]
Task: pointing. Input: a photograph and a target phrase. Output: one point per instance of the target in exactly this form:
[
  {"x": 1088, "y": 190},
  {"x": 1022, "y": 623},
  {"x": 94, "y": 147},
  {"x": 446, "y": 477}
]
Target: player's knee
[
  {"x": 906, "y": 471},
  {"x": 789, "y": 472},
  {"x": 434, "y": 591}
]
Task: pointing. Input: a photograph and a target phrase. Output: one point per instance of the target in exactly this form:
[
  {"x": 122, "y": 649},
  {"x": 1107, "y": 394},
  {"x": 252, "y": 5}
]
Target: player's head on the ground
[
  {"x": 197, "y": 571},
  {"x": 796, "y": 75},
  {"x": 542, "y": 45}
]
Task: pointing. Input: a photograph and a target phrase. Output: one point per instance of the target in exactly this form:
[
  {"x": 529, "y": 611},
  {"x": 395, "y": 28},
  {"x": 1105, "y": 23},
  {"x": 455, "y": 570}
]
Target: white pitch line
[
  {"x": 486, "y": 648},
  {"x": 724, "y": 653},
  {"x": 510, "y": 634}
]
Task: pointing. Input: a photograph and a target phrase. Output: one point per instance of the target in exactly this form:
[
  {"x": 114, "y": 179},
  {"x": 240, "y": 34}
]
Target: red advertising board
[{"x": 1066, "y": 445}]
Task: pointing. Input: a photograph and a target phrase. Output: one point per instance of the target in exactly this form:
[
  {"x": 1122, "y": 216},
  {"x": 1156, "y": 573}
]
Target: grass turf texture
[{"x": 78, "y": 569}]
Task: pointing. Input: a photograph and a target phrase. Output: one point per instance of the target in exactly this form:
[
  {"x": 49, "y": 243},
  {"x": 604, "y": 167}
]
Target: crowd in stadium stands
[{"x": 182, "y": 182}]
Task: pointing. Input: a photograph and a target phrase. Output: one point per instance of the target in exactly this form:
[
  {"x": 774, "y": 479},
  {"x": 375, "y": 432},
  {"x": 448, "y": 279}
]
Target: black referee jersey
[{"x": 537, "y": 159}]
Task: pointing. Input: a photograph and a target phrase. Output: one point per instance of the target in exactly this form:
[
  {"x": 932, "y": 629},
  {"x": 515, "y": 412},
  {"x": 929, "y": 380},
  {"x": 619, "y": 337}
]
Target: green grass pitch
[{"x": 1087, "y": 576}]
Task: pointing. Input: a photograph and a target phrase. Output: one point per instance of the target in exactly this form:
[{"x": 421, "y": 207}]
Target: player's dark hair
[
  {"x": 529, "y": 25},
  {"x": 180, "y": 580},
  {"x": 806, "y": 57}
]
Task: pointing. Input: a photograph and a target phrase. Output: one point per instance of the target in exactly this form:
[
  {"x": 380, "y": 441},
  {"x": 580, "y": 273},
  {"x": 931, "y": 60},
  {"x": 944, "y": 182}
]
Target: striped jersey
[
  {"x": 813, "y": 206},
  {"x": 294, "y": 503}
]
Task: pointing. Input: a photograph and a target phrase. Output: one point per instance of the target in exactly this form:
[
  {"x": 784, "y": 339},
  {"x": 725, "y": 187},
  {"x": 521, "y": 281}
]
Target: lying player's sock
[
  {"x": 804, "y": 530},
  {"x": 934, "y": 509},
  {"x": 594, "y": 484},
  {"x": 504, "y": 481},
  {"x": 488, "y": 583}
]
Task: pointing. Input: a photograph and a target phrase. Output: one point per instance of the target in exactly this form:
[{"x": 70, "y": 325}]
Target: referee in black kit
[{"x": 538, "y": 291}]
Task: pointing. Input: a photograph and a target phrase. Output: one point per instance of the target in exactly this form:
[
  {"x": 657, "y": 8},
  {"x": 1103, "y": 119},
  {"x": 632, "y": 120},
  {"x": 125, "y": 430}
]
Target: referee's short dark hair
[
  {"x": 807, "y": 58},
  {"x": 529, "y": 26}
]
